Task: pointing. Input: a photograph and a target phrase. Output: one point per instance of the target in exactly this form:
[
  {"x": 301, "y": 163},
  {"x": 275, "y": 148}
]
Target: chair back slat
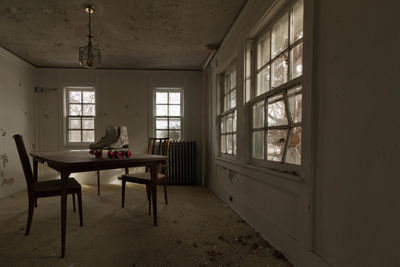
[
  {"x": 159, "y": 146},
  {"x": 26, "y": 166}
]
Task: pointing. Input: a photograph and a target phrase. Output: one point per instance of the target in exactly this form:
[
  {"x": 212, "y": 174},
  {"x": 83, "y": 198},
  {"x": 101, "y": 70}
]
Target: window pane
[
  {"x": 223, "y": 124},
  {"x": 174, "y": 110},
  {"x": 174, "y": 123},
  {"x": 275, "y": 144},
  {"x": 227, "y": 102},
  {"x": 161, "y": 123},
  {"x": 263, "y": 78},
  {"x": 223, "y": 143},
  {"x": 295, "y": 104},
  {"x": 258, "y": 145},
  {"x": 161, "y": 133},
  {"x": 88, "y": 97},
  {"x": 234, "y": 144},
  {"x": 296, "y": 25},
  {"x": 280, "y": 36},
  {"x": 229, "y": 120},
  {"x": 161, "y": 98},
  {"x": 233, "y": 79},
  {"x": 175, "y": 135},
  {"x": 279, "y": 71},
  {"x": 161, "y": 110},
  {"x": 258, "y": 115},
  {"x": 233, "y": 99},
  {"x": 293, "y": 154},
  {"x": 227, "y": 83},
  {"x": 229, "y": 145},
  {"x": 276, "y": 111},
  {"x": 89, "y": 110},
  {"x": 74, "y": 136},
  {"x": 87, "y": 136},
  {"x": 234, "y": 121},
  {"x": 296, "y": 61},
  {"x": 74, "y": 123},
  {"x": 263, "y": 51},
  {"x": 75, "y": 110},
  {"x": 174, "y": 98},
  {"x": 87, "y": 123},
  {"x": 75, "y": 97}
]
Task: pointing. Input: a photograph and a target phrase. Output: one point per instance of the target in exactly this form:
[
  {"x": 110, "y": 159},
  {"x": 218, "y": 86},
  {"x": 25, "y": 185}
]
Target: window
[
  {"x": 168, "y": 112},
  {"x": 228, "y": 117},
  {"x": 81, "y": 112},
  {"x": 276, "y": 104}
]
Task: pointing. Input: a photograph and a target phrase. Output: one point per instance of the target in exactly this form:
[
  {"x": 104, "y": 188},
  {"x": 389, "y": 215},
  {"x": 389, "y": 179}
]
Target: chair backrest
[
  {"x": 26, "y": 166},
  {"x": 159, "y": 146}
]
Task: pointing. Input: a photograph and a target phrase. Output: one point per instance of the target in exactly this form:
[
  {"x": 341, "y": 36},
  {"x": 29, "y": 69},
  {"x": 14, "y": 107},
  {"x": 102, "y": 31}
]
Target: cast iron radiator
[{"x": 182, "y": 163}]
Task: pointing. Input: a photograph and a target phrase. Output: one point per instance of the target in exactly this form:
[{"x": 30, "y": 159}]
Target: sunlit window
[
  {"x": 168, "y": 113},
  {"x": 81, "y": 112},
  {"x": 228, "y": 117},
  {"x": 276, "y": 105}
]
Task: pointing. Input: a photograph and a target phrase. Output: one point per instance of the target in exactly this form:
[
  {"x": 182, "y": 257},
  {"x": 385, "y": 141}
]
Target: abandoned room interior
[{"x": 199, "y": 133}]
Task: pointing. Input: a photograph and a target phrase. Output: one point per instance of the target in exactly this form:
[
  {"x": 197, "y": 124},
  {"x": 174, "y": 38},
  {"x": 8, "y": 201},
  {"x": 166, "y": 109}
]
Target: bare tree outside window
[
  {"x": 276, "y": 105},
  {"x": 168, "y": 112},
  {"x": 81, "y": 112}
]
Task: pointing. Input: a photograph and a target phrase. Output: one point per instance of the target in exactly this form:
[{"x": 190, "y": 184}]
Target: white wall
[
  {"x": 124, "y": 97},
  {"x": 343, "y": 210},
  {"x": 17, "y": 85}
]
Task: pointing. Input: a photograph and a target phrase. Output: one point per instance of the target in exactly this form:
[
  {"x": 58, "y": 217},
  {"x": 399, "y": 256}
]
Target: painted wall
[
  {"x": 343, "y": 210},
  {"x": 17, "y": 84},
  {"x": 124, "y": 97}
]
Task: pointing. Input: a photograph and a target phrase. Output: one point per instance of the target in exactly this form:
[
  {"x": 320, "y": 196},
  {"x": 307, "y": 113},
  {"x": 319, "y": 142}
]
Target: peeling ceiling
[{"x": 131, "y": 34}]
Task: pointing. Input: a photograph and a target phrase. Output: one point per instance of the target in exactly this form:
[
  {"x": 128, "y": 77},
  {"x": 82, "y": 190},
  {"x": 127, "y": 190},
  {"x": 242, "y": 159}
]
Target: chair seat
[
  {"x": 141, "y": 177},
  {"x": 53, "y": 187}
]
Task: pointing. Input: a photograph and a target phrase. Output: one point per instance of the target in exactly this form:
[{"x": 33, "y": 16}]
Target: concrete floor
[{"x": 195, "y": 229}]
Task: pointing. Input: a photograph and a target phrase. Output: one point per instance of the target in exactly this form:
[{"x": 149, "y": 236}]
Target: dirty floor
[{"x": 195, "y": 229}]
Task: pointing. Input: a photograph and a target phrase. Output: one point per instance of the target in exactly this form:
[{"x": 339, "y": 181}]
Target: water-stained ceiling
[{"x": 138, "y": 34}]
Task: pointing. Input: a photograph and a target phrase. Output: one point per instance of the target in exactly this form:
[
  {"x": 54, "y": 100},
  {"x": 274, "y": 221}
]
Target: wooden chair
[
  {"x": 45, "y": 188},
  {"x": 156, "y": 146}
]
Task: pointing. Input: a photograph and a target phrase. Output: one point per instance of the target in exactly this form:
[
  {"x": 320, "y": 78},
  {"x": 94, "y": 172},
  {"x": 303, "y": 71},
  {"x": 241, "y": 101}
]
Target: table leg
[
  {"x": 64, "y": 189},
  {"x": 153, "y": 173},
  {"x": 35, "y": 175}
]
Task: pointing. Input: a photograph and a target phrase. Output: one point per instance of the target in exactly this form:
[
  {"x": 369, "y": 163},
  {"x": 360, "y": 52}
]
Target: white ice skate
[{"x": 115, "y": 141}]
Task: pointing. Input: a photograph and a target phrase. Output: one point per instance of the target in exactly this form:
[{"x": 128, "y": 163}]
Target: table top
[{"x": 83, "y": 161}]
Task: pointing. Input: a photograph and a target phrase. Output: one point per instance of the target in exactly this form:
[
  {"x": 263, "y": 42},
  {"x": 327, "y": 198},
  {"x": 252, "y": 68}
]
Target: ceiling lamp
[{"x": 89, "y": 56}]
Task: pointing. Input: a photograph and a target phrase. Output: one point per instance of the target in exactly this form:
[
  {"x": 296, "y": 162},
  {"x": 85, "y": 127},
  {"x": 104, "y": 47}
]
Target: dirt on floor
[{"x": 194, "y": 229}]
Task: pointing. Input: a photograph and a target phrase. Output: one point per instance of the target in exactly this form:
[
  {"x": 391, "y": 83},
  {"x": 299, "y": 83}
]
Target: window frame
[
  {"x": 281, "y": 89},
  {"x": 231, "y": 111},
  {"x": 67, "y": 90},
  {"x": 181, "y": 117}
]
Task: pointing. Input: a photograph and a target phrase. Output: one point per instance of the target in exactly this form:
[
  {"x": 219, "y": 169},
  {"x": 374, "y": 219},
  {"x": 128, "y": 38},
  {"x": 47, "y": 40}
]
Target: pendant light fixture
[{"x": 89, "y": 56}]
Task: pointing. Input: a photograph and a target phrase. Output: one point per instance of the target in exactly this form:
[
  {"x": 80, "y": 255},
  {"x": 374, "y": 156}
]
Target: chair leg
[
  {"x": 30, "y": 215},
  {"x": 148, "y": 191},
  {"x": 73, "y": 201},
  {"x": 80, "y": 207},
  {"x": 35, "y": 202},
  {"x": 98, "y": 183},
  {"x": 123, "y": 193},
  {"x": 165, "y": 191}
]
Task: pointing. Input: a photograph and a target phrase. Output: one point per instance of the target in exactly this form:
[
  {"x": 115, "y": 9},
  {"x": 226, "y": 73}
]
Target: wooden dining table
[{"x": 67, "y": 162}]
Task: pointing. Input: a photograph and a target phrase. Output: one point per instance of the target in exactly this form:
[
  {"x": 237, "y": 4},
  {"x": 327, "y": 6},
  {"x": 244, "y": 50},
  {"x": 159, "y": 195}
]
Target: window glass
[
  {"x": 279, "y": 91},
  {"x": 81, "y": 111},
  {"x": 168, "y": 113}
]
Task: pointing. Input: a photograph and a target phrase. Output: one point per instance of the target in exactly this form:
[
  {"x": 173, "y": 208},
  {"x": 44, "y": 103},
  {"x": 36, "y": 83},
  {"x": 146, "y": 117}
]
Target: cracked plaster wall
[{"x": 17, "y": 83}]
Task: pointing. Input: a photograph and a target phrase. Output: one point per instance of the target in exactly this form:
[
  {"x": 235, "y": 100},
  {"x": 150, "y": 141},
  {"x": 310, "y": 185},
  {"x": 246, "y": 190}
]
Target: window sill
[{"x": 287, "y": 181}]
